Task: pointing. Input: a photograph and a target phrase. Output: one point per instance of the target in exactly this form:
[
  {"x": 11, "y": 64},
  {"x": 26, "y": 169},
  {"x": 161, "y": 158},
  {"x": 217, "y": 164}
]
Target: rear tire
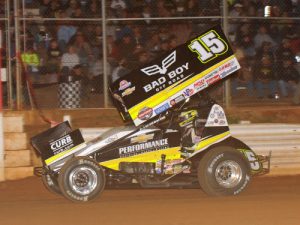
[
  {"x": 50, "y": 183},
  {"x": 81, "y": 179},
  {"x": 223, "y": 171}
]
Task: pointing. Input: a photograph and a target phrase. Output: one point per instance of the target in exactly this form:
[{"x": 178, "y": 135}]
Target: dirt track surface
[{"x": 268, "y": 201}]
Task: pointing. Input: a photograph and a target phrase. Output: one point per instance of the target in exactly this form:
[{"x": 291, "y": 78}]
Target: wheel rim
[
  {"x": 83, "y": 180},
  {"x": 228, "y": 174}
]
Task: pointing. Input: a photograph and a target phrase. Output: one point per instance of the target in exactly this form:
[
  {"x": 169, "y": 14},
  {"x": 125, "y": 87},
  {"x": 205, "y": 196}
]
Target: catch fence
[{"x": 53, "y": 42}]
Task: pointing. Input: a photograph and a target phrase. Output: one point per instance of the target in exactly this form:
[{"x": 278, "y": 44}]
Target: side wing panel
[{"x": 176, "y": 75}]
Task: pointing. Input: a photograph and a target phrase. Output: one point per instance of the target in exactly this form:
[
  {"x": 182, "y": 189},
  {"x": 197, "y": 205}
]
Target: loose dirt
[{"x": 268, "y": 201}]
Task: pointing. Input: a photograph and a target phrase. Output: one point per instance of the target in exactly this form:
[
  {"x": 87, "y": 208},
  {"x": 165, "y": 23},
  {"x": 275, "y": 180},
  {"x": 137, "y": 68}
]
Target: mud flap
[{"x": 55, "y": 141}]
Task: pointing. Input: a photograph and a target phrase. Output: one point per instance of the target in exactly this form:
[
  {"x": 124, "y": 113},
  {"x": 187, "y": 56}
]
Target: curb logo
[
  {"x": 61, "y": 143},
  {"x": 166, "y": 63}
]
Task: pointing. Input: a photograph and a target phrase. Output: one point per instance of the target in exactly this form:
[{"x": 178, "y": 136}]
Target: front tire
[
  {"x": 51, "y": 183},
  {"x": 81, "y": 179},
  {"x": 223, "y": 171}
]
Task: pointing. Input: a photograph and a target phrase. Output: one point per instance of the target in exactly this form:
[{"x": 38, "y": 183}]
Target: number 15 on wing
[{"x": 208, "y": 46}]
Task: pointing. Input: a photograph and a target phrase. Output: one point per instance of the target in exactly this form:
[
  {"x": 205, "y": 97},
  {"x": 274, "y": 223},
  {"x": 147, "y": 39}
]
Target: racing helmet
[{"x": 186, "y": 117}]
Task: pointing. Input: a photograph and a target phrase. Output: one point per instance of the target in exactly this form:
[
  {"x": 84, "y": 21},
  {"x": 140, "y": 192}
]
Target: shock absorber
[{"x": 162, "y": 165}]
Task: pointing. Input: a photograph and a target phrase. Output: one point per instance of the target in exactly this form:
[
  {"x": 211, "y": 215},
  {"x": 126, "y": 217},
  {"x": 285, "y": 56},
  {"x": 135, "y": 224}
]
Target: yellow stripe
[
  {"x": 171, "y": 153},
  {"x": 59, "y": 155},
  {"x": 168, "y": 92},
  {"x": 205, "y": 143}
]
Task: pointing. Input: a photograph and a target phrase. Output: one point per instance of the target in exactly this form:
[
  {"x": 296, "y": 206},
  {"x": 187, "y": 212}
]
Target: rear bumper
[{"x": 265, "y": 162}]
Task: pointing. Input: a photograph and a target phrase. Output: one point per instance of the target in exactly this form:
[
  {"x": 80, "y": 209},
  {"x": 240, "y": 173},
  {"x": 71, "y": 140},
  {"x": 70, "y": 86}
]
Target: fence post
[
  {"x": 1, "y": 117},
  {"x": 18, "y": 63},
  {"x": 8, "y": 60},
  {"x": 104, "y": 49},
  {"x": 225, "y": 29}
]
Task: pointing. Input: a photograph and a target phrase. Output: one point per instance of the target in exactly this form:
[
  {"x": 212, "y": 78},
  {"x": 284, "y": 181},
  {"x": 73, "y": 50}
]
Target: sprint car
[{"x": 178, "y": 136}]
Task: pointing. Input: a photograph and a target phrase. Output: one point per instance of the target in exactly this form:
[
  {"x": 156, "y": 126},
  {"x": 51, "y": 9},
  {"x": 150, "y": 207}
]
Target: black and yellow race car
[{"x": 180, "y": 136}]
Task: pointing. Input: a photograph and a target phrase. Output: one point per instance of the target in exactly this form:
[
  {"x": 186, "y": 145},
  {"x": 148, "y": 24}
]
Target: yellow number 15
[{"x": 208, "y": 46}]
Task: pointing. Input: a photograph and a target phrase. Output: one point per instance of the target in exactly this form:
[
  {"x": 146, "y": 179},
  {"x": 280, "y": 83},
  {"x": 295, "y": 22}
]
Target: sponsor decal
[
  {"x": 221, "y": 115},
  {"x": 161, "y": 108},
  {"x": 128, "y": 91},
  {"x": 57, "y": 143},
  {"x": 188, "y": 92},
  {"x": 177, "y": 99},
  {"x": 111, "y": 139},
  {"x": 141, "y": 138},
  {"x": 124, "y": 84},
  {"x": 155, "y": 121},
  {"x": 172, "y": 166},
  {"x": 61, "y": 144},
  {"x": 156, "y": 69},
  {"x": 209, "y": 123},
  {"x": 211, "y": 74},
  {"x": 225, "y": 73},
  {"x": 145, "y": 113},
  {"x": 143, "y": 147},
  {"x": 213, "y": 79},
  {"x": 222, "y": 122},
  {"x": 200, "y": 84},
  {"x": 171, "y": 78},
  {"x": 226, "y": 66}
]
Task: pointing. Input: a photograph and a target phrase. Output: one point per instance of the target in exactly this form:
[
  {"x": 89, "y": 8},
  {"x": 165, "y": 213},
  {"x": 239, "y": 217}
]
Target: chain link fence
[
  {"x": 267, "y": 43},
  {"x": 61, "y": 42},
  {"x": 62, "y": 53}
]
